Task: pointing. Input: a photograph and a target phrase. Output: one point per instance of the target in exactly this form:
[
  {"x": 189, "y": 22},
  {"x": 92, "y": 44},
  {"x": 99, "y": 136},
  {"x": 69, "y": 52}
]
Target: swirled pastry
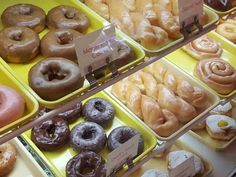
[
  {"x": 204, "y": 48},
  {"x": 217, "y": 74}
]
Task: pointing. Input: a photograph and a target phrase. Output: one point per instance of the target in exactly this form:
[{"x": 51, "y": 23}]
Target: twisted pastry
[
  {"x": 204, "y": 48},
  {"x": 217, "y": 74},
  {"x": 99, "y": 6},
  {"x": 192, "y": 94}
]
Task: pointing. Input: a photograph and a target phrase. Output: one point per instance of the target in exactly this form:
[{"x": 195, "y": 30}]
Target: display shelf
[{"x": 83, "y": 95}]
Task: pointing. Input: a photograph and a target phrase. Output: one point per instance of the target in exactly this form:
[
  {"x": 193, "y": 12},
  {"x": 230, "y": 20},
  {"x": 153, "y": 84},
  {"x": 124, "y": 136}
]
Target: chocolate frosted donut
[
  {"x": 60, "y": 43},
  {"x": 126, "y": 54},
  {"x": 120, "y": 135},
  {"x": 67, "y": 17},
  {"x": 86, "y": 164},
  {"x": 26, "y": 15},
  {"x": 51, "y": 134},
  {"x": 98, "y": 110},
  {"x": 18, "y": 44},
  {"x": 72, "y": 114},
  {"x": 54, "y": 78},
  {"x": 88, "y": 136}
]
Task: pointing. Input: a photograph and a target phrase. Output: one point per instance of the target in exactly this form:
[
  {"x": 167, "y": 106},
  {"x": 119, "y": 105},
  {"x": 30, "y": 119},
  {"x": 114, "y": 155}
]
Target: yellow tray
[
  {"x": 204, "y": 137},
  {"x": 31, "y": 108},
  {"x": 160, "y": 163},
  {"x": 56, "y": 160},
  {"x": 188, "y": 63},
  {"x": 21, "y": 70},
  {"x": 220, "y": 13},
  {"x": 213, "y": 99}
]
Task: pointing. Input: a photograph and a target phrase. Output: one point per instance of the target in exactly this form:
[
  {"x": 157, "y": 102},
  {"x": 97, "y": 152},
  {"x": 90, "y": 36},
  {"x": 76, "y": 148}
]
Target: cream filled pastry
[
  {"x": 203, "y": 48},
  {"x": 177, "y": 157},
  {"x": 221, "y": 127}
]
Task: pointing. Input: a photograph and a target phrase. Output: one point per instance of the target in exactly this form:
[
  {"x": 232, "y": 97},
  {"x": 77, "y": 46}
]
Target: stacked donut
[
  {"x": 163, "y": 100},
  {"x": 211, "y": 69},
  {"x": 88, "y": 138}
]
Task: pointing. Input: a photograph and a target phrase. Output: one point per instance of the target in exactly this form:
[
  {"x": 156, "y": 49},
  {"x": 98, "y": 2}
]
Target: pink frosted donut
[{"x": 12, "y": 105}]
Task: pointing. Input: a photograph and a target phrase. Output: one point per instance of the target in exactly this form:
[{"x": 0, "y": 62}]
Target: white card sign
[
  {"x": 119, "y": 156},
  {"x": 184, "y": 169},
  {"x": 93, "y": 49},
  {"x": 188, "y": 9}
]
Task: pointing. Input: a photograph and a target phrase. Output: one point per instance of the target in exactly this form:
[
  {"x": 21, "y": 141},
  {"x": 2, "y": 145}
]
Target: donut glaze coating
[
  {"x": 51, "y": 134},
  {"x": 54, "y": 78},
  {"x": 98, "y": 110},
  {"x": 18, "y": 44},
  {"x": 26, "y": 15},
  {"x": 86, "y": 164},
  {"x": 67, "y": 17},
  {"x": 120, "y": 135},
  {"x": 12, "y": 105},
  {"x": 60, "y": 43},
  {"x": 88, "y": 136}
]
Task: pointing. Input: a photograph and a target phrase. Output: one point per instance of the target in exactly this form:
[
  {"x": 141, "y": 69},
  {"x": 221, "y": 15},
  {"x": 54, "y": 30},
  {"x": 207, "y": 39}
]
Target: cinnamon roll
[
  {"x": 217, "y": 74},
  {"x": 204, "y": 48}
]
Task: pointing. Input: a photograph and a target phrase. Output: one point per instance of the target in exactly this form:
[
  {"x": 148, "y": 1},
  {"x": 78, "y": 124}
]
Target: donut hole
[
  {"x": 51, "y": 130},
  {"x": 98, "y": 105},
  {"x": 86, "y": 168},
  {"x": 89, "y": 134},
  {"x": 69, "y": 15},
  {"x": 64, "y": 38},
  {"x": 54, "y": 72},
  {"x": 25, "y": 10},
  {"x": 16, "y": 35},
  {"x": 124, "y": 138}
]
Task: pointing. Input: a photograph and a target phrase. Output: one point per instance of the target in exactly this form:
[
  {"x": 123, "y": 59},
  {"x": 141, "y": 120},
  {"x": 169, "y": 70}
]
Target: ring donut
[
  {"x": 26, "y": 15},
  {"x": 60, "y": 43},
  {"x": 64, "y": 17},
  {"x": 7, "y": 158},
  {"x": 54, "y": 78},
  {"x": 227, "y": 30},
  {"x": 18, "y": 44},
  {"x": 12, "y": 105}
]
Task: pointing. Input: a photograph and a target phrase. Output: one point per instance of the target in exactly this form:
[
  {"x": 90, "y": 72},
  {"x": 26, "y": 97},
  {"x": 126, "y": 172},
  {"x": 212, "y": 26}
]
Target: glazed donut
[
  {"x": 72, "y": 114},
  {"x": 204, "y": 48},
  {"x": 51, "y": 134},
  {"x": 120, "y": 135},
  {"x": 217, "y": 74},
  {"x": 86, "y": 164},
  {"x": 175, "y": 158},
  {"x": 60, "y": 43},
  {"x": 12, "y": 105},
  {"x": 98, "y": 110},
  {"x": 88, "y": 136},
  {"x": 7, "y": 158},
  {"x": 18, "y": 44},
  {"x": 227, "y": 30},
  {"x": 221, "y": 127},
  {"x": 26, "y": 15},
  {"x": 54, "y": 78},
  {"x": 64, "y": 17}
]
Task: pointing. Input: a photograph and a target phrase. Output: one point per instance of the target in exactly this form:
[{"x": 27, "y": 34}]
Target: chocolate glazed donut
[
  {"x": 67, "y": 17},
  {"x": 98, "y": 110},
  {"x": 88, "y": 136},
  {"x": 51, "y": 134},
  {"x": 60, "y": 43},
  {"x": 18, "y": 44},
  {"x": 54, "y": 78},
  {"x": 86, "y": 164},
  {"x": 26, "y": 15},
  {"x": 120, "y": 135}
]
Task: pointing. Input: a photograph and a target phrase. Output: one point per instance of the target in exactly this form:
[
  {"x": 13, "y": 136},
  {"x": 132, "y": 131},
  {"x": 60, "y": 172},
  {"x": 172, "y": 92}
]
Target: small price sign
[
  {"x": 185, "y": 169},
  {"x": 188, "y": 10},
  {"x": 92, "y": 50},
  {"x": 120, "y": 155}
]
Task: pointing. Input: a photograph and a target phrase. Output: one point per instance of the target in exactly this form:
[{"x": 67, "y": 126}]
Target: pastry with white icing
[
  {"x": 226, "y": 109},
  {"x": 154, "y": 173},
  {"x": 175, "y": 158},
  {"x": 221, "y": 127}
]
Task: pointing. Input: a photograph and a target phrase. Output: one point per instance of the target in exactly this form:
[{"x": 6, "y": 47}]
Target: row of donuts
[{"x": 87, "y": 138}]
